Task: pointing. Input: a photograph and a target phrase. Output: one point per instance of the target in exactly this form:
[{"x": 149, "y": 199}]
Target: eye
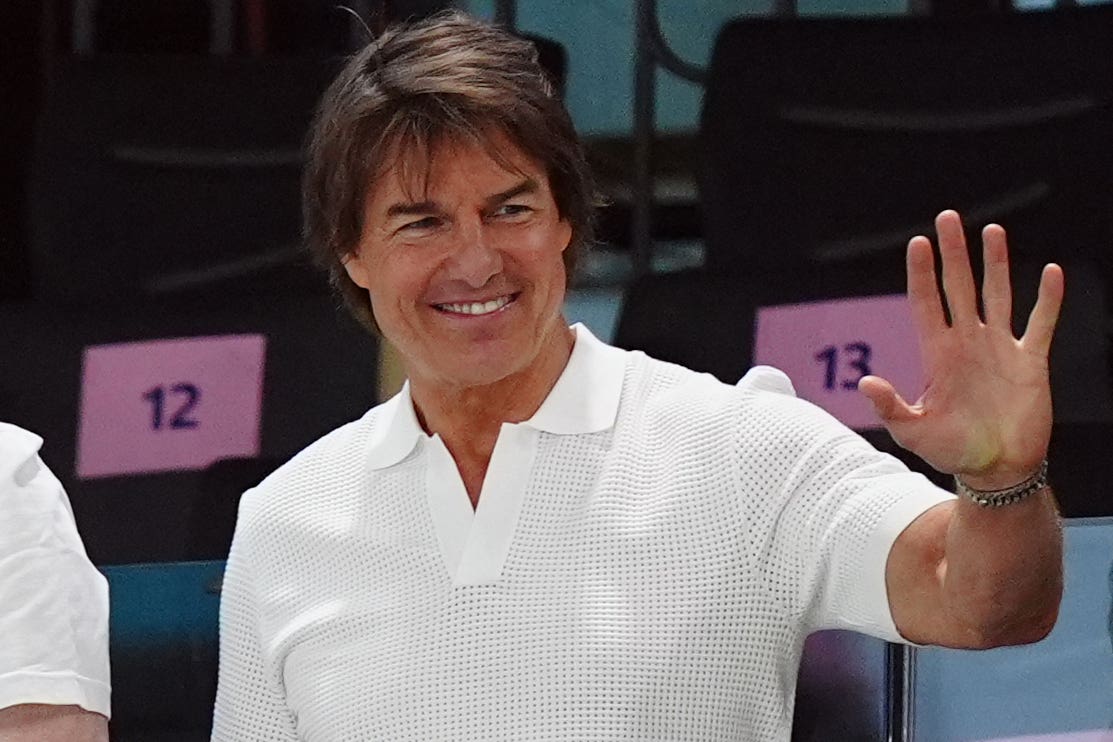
[
  {"x": 512, "y": 210},
  {"x": 425, "y": 223}
]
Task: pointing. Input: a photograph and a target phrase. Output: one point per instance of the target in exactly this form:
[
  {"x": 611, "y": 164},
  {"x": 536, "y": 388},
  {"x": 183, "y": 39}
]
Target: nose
[{"x": 475, "y": 259}]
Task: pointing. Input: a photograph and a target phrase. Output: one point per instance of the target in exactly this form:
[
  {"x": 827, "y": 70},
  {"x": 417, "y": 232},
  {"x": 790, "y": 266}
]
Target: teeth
[{"x": 477, "y": 307}]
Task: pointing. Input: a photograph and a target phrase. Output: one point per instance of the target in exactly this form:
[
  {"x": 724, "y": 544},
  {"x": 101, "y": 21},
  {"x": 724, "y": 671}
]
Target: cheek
[
  {"x": 402, "y": 281},
  {"x": 536, "y": 260},
  {"x": 389, "y": 308},
  {"x": 544, "y": 244}
]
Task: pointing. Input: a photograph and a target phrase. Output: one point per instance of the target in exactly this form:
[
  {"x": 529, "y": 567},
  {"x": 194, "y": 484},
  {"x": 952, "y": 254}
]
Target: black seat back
[
  {"x": 157, "y": 174},
  {"x": 834, "y": 140}
]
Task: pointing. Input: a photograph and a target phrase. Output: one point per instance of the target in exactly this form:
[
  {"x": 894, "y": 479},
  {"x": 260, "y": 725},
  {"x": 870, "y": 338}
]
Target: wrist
[
  {"x": 996, "y": 479},
  {"x": 989, "y": 492}
]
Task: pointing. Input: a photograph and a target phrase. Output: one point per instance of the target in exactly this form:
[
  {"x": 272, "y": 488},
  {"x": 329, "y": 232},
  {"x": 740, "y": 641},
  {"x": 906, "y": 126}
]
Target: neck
[{"x": 468, "y": 418}]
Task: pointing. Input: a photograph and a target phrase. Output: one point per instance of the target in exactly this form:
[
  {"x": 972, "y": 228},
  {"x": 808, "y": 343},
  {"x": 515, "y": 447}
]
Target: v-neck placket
[{"x": 475, "y": 543}]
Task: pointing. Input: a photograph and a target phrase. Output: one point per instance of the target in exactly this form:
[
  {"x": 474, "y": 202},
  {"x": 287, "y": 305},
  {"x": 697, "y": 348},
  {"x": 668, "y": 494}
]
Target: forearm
[
  {"x": 1001, "y": 572},
  {"x": 44, "y": 723}
]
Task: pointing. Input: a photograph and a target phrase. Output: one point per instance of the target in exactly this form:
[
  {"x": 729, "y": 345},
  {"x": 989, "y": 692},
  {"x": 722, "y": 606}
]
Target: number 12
[{"x": 181, "y": 418}]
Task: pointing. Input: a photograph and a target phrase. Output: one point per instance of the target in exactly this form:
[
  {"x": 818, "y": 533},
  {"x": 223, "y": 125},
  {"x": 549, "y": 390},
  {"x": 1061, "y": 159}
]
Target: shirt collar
[
  {"x": 397, "y": 432},
  {"x": 585, "y": 397},
  {"x": 584, "y": 400}
]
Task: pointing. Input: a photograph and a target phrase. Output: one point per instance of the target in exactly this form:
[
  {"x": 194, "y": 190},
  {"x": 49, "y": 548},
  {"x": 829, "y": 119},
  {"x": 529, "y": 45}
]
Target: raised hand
[{"x": 986, "y": 410}]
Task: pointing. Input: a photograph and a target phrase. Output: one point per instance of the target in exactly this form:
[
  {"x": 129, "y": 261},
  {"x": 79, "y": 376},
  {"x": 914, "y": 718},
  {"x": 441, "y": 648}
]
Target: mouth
[{"x": 478, "y": 308}]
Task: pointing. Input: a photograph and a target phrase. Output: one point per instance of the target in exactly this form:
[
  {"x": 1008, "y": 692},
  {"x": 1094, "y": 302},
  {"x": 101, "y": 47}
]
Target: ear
[
  {"x": 357, "y": 271},
  {"x": 566, "y": 234}
]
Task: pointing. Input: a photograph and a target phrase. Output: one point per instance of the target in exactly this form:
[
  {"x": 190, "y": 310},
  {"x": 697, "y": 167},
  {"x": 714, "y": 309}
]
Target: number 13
[{"x": 856, "y": 356}]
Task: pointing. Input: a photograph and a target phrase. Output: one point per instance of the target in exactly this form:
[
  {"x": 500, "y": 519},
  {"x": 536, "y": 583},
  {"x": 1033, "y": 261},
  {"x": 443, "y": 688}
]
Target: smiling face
[{"x": 463, "y": 266}]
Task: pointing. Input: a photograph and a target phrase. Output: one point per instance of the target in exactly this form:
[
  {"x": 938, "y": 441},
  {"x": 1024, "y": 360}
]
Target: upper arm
[
  {"x": 914, "y": 574},
  {"x": 43, "y": 723},
  {"x": 250, "y": 702},
  {"x": 53, "y": 602}
]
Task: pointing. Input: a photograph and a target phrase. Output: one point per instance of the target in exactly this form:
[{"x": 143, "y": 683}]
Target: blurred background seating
[{"x": 156, "y": 197}]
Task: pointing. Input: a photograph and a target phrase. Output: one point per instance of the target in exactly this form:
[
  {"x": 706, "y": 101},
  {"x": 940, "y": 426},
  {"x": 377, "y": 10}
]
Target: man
[
  {"x": 54, "y": 680},
  {"x": 543, "y": 537}
]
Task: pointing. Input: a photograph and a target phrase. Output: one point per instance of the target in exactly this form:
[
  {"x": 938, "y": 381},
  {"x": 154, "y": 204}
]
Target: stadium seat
[{"x": 831, "y": 140}]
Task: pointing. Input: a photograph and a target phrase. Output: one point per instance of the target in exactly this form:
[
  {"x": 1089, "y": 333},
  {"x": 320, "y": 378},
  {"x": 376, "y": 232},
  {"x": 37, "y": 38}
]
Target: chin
[
  {"x": 472, "y": 373},
  {"x": 455, "y": 362}
]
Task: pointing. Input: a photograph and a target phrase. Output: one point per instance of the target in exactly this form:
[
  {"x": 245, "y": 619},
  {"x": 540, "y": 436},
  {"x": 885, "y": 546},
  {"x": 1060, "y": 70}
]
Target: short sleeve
[
  {"x": 842, "y": 505},
  {"x": 867, "y": 499},
  {"x": 53, "y": 601},
  {"x": 250, "y": 702}
]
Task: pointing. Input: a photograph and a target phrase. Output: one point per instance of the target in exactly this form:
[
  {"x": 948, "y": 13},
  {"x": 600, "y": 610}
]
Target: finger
[
  {"x": 958, "y": 280},
  {"x": 897, "y": 415},
  {"x": 887, "y": 402},
  {"x": 1041, "y": 322},
  {"x": 923, "y": 291},
  {"x": 997, "y": 295}
]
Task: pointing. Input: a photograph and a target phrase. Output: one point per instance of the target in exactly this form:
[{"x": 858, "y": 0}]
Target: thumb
[{"x": 889, "y": 405}]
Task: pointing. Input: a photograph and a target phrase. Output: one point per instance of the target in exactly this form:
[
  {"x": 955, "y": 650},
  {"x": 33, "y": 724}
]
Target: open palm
[{"x": 986, "y": 409}]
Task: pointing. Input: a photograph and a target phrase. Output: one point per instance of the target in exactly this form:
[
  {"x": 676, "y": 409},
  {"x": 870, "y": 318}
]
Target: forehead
[{"x": 418, "y": 171}]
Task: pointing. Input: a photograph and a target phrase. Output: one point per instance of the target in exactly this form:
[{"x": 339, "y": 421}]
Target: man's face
[{"x": 466, "y": 276}]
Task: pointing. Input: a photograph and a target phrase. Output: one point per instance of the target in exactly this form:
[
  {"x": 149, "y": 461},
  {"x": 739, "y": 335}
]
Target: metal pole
[
  {"x": 908, "y": 697},
  {"x": 663, "y": 55},
  {"x": 894, "y": 706},
  {"x": 785, "y": 8},
  {"x": 506, "y": 13},
  {"x": 222, "y": 21},
  {"x": 900, "y": 687},
  {"x": 645, "y": 78},
  {"x": 48, "y": 40},
  {"x": 83, "y": 34}
]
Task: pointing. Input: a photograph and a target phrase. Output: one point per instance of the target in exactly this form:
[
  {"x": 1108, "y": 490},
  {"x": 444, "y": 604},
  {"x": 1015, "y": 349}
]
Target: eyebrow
[
  {"x": 527, "y": 186},
  {"x": 412, "y": 209}
]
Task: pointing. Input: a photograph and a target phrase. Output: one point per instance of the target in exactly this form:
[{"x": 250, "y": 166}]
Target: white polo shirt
[
  {"x": 649, "y": 552},
  {"x": 53, "y": 601}
]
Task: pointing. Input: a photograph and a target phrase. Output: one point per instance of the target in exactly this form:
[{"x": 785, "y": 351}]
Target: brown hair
[{"x": 447, "y": 78}]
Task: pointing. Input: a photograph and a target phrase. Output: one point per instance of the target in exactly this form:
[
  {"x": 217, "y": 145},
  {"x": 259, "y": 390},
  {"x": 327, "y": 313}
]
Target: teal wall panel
[{"x": 599, "y": 38}]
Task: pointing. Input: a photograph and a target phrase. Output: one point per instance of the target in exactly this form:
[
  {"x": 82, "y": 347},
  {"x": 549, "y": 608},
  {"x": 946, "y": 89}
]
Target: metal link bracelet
[{"x": 1009, "y": 495}]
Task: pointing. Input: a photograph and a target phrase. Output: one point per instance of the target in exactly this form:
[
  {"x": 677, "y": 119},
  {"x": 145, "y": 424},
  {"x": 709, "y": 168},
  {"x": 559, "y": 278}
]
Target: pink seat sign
[
  {"x": 166, "y": 405},
  {"x": 825, "y": 347}
]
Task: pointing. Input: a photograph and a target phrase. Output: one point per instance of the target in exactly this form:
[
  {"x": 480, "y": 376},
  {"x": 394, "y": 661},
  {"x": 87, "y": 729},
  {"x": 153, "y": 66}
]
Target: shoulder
[
  {"x": 772, "y": 404},
  {"x": 19, "y": 450},
  {"x": 324, "y": 469},
  {"x": 653, "y": 375},
  {"x": 654, "y": 383},
  {"x": 28, "y": 489},
  {"x": 756, "y": 420},
  {"x": 763, "y": 391}
]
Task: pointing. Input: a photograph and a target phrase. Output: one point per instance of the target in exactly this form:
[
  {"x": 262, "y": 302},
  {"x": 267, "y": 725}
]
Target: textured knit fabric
[
  {"x": 53, "y": 602},
  {"x": 648, "y": 554}
]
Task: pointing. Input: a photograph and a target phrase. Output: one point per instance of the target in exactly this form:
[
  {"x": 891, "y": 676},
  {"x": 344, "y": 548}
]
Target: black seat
[
  {"x": 183, "y": 172},
  {"x": 832, "y": 140}
]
